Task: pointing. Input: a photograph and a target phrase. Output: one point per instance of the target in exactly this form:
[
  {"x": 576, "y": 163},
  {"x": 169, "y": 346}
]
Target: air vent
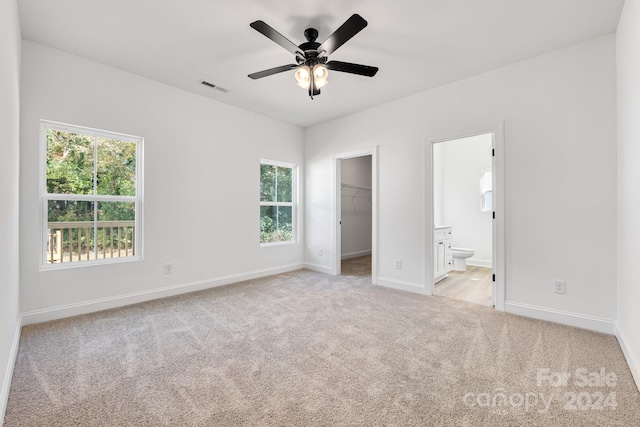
[{"x": 211, "y": 85}]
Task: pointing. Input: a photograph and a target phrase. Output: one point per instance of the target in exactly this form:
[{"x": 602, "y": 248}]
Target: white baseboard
[
  {"x": 401, "y": 285},
  {"x": 8, "y": 372},
  {"x": 318, "y": 267},
  {"x": 598, "y": 324},
  {"x": 355, "y": 254},
  {"x": 480, "y": 262},
  {"x": 632, "y": 358},
  {"x": 53, "y": 313}
]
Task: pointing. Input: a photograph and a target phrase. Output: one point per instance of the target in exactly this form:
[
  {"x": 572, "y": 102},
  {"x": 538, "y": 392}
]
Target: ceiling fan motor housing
[{"x": 309, "y": 48}]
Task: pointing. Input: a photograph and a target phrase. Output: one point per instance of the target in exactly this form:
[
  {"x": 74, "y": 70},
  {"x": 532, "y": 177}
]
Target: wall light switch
[
  {"x": 398, "y": 264},
  {"x": 168, "y": 268}
]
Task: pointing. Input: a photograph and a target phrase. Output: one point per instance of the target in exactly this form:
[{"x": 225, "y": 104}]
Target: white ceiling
[{"x": 417, "y": 44}]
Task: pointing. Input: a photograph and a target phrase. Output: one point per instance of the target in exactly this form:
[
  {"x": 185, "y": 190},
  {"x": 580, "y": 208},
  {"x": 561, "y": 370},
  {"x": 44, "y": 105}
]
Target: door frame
[
  {"x": 498, "y": 247},
  {"x": 337, "y": 204}
]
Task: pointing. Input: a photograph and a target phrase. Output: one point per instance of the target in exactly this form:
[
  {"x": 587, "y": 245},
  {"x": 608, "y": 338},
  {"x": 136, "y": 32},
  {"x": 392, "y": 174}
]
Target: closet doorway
[{"x": 355, "y": 214}]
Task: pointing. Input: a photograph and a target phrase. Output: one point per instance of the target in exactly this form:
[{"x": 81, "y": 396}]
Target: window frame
[
  {"x": 293, "y": 204},
  {"x": 45, "y": 196}
]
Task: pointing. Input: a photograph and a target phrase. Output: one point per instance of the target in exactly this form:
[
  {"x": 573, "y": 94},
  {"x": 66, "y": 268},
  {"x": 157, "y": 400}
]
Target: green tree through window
[
  {"x": 91, "y": 199},
  {"x": 277, "y": 207}
]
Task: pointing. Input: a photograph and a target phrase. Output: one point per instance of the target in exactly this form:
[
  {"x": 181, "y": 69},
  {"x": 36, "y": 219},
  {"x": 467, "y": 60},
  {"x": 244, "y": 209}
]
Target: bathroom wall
[
  {"x": 460, "y": 163},
  {"x": 438, "y": 185},
  {"x": 356, "y": 207}
]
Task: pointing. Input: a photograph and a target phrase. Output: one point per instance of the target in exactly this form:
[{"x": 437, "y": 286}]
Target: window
[
  {"x": 486, "y": 189},
  {"x": 277, "y": 202},
  {"x": 90, "y": 196}
]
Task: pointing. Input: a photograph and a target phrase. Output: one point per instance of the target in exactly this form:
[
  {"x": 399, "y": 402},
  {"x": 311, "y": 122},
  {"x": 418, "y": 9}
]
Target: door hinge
[
  {"x": 494, "y": 214},
  {"x": 493, "y": 152},
  {"x": 494, "y": 277}
]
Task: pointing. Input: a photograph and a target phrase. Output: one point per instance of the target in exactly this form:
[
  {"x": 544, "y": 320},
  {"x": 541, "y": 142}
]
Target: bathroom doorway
[
  {"x": 355, "y": 217},
  {"x": 464, "y": 202}
]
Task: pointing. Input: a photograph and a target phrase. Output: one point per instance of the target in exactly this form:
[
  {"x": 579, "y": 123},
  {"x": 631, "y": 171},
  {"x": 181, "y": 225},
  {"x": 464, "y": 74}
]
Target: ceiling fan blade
[
  {"x": 350, "y": 28},
  {"x": 271, "y": 71},
  {"x": 265, "y": 29},
  {"x": 347, "y": 67}
]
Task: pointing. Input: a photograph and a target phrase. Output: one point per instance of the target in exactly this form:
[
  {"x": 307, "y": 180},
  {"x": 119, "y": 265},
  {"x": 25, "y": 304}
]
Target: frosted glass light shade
[
  {"x": 320, "y": 75},
  {"x": 303, "y": 76}
]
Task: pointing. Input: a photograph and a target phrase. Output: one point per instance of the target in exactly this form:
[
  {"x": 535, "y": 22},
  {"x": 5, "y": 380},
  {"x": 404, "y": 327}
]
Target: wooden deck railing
[{"x": 77, "y": 240}]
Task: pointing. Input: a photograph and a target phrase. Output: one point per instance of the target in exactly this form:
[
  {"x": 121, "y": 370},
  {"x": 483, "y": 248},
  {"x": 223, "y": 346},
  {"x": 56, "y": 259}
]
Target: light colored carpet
[{"x": 308, "y": 349}]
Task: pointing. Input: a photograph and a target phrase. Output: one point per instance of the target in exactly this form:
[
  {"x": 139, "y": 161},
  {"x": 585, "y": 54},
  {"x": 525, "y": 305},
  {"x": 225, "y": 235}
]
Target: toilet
[{"x": 460, "y": 256}]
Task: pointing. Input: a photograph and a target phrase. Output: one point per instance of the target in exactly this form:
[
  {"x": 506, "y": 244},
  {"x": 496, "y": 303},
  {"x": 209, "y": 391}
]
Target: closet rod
[{"x": 357, "y": 187}]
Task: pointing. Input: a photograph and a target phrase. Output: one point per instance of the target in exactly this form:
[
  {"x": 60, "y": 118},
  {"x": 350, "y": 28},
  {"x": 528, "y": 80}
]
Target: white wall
[
  {"x": 461, "y": 162},
  {"x": 438, "y": 186},
  {"x": 560, "y": 123},
  {"x": 628, "y": 46},
  {"x": 356, "y": 207},
  {"x": 201, "y": 183},
  {"x": 9, "y": 175}
]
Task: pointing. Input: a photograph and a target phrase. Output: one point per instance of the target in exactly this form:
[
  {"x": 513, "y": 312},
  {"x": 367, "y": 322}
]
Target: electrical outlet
[
  {"x": 320, "y": 252},
  {"x": 398, "y": 264},
  {"x": 559, "y": 286},
  {"x": 168, "y": 268}
]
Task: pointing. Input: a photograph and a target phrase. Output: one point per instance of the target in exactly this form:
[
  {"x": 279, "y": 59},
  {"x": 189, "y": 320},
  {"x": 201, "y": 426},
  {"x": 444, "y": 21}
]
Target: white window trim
[
  {"x": 293, "y": 204},
  {"x": 45, "y": 197}
]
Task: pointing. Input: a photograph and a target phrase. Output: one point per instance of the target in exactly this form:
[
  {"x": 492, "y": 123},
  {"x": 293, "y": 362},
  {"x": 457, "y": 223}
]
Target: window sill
[
  {"x": 88, "y": 263},
  {"x": 290, "y": 242}
]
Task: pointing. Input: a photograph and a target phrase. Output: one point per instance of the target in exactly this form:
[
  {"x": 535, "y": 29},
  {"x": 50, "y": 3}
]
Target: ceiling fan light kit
[
  {"x": 304, "y": 76},
  {"x": 313, "y": 65}
]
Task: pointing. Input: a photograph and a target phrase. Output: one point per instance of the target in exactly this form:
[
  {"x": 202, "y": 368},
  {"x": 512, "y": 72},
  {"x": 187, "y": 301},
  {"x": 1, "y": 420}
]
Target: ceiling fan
[{"x": 313, "y": 65}]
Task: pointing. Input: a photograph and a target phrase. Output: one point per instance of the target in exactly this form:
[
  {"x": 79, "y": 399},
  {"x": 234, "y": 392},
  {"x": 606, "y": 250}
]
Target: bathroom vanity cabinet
[{"x": 442, "y": 259}]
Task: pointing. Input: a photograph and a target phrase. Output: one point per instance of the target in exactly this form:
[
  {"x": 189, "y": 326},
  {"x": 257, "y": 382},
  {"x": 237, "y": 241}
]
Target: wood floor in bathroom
[{"x": 473, "y": 285}]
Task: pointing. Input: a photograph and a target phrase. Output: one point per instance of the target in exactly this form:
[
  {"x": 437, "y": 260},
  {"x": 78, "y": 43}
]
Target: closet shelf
[
  {"x": 356, "y": 189},
  {"x": 359, "y": 187}
]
